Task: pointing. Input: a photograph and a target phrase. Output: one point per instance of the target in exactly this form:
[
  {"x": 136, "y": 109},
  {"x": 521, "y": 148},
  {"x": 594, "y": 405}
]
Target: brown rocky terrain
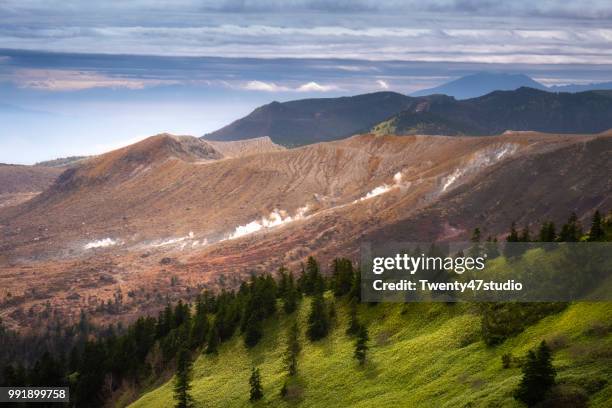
[
  {"x": 21, "y": 183},
  {"x": 239, "y": 148},
  {"x": 170, "y": 214}
]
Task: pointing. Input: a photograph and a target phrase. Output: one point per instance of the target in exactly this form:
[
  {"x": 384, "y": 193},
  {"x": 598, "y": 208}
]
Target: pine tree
[
  {"x": 290, "y": 296},
  {"x": 182, "y": 381},
  {"x": 293, "y": 349},
  {"x": 200, "y": 326},
  {"x": 283, "y": 281},
  {"x": 476, "y": 249},
  {"x": 571, "y": 231},
  {"x": 596, "y": 233},
  {"x": 353, "y": 326},
  {"x": 548, "y": 233},
  {"x": 538, "y": 376},
  {"x": 512, "y": 249},
  {"x": 342, "y": 276},
  {"x": 256, "y": 392},
  {"x": 355, "y": 292},
  {"x": 253, "y": 331},
  {"x": 318, "y": 321},
  {"x": 314, "y": 282},
  {"x": 513, "y": 236},
  {"x": 361, "y": 344},
  {"x": 213, "y": 339},
  {"x": 525, "y": 236}
]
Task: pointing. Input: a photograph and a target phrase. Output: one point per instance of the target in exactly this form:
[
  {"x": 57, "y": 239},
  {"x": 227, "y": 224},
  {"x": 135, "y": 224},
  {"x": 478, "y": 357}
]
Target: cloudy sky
[{"x": 82, "y": 78}]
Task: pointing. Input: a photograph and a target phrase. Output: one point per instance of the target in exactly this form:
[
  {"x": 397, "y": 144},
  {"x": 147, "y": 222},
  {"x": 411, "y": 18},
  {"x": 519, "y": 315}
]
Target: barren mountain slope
[
  {"x": 20, "y": 183},
  {"x": 134, "y": 219},
  {"x": 239, "y": 148},
  {"x": 164, "y": 187}
]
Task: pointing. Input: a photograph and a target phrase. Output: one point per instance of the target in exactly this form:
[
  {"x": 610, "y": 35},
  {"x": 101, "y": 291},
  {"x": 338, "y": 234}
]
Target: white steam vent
[
  {"x": 385, "y": 188},
  {"x": 481, "y": 159},
  {"x": 101, "y": 243},
  {"x": 172, "y": 241},
  {"x": 274, "y": 219}
]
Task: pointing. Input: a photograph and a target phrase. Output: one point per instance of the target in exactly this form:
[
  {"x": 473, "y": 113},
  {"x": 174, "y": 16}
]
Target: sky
[{"x": 82, "y": 78}]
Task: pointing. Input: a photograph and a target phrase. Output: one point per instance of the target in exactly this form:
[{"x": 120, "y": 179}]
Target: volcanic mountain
[
  {"x": 177, "y": 209},
  {"x": 481, "y": 83},
  {"x": 306, "y": 121}
]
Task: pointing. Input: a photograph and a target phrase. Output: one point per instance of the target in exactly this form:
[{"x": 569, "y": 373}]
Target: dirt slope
[
  {"x": 240, "y": 148},
  {"x": 21, "y": 183}
]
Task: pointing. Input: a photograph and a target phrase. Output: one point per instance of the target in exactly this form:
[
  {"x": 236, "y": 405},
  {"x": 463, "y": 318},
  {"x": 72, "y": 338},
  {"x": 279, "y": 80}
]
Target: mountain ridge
[
  {"x": 307, "y": 121},
  {"x": 482, "y": 83},
  {"x": 524, "y": 109}
]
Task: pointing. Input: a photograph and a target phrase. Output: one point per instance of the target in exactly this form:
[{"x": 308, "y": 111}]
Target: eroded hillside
[{"x": 173, "y": 214}]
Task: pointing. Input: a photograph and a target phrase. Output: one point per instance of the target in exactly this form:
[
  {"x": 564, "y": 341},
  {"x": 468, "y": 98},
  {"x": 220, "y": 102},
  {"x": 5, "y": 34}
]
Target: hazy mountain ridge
[
  {"x": 521, "y": 110},
  {"x": 482, "y": 83},
  {"x": 309, "y": 121},
  {"x": 306, "y": 121}
]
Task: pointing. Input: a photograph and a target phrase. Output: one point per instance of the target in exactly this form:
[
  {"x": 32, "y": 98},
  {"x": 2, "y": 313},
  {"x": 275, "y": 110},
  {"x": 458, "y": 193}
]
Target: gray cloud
[{"x": 443, "y": 30}]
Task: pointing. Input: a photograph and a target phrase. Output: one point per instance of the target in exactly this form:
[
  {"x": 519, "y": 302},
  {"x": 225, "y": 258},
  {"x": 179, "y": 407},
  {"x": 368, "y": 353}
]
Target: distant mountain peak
[
  {"x": 482, "y": 83},
  {"x": 485, "y": 82}
]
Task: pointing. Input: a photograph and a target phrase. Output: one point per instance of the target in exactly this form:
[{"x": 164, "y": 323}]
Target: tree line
[
  {"x": 100, "y": 364},
  {"x": 150, "y": 347}
]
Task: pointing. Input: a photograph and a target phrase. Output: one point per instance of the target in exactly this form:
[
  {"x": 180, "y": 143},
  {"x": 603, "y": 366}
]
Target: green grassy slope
[{"x": 421, "y": 355}]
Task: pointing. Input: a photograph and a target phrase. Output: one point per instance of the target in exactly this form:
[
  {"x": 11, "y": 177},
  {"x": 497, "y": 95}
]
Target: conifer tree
[
  {"x": 525, "y": 236},
  {"x": 318, "y": 321},
  {"x": 283, "y": 277},
  {"x": 213, "y": 339},
  {"x": 253, "y": 330},
  {"x": 476, "y": 249},
  {"x": 512, "y": 250},
  {"x": 200, "y": 326},
  {"x": 342, "y": 276},
  {"x": 355, "y": 292},
  {"x": 361, "y": 344},
  {"x": 571, "y": 231},
  {"x": 293, "y": 349},
  {"x": 596, "y": 233},
  {"x": 256, "y": 392},
  {"x": 547, "y": 232},
  {"x": 314, "y": 282},
  {"x": 182, "y": 381},
  {"x": 290, "y": 296},
  {"x": 513, "y": 236},
  {"x": 353, "y": 326},
  {"x": 538, "y": 376}
]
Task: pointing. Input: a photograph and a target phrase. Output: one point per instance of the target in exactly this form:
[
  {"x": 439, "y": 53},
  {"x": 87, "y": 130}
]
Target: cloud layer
[{"x": 477, "y": 31}]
